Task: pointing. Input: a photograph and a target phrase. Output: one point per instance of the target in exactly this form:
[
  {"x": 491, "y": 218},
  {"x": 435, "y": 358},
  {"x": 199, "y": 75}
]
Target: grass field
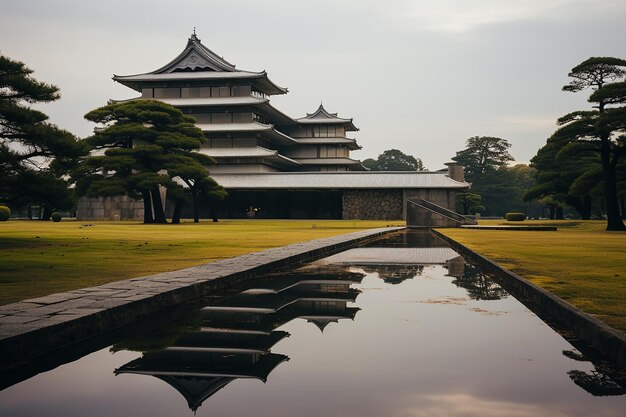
[
  {"x": 39, "y": 258},
  {"x": 580, "y": 262}
]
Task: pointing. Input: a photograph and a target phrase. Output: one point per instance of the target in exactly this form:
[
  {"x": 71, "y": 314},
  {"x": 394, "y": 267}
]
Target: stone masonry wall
[
  {"x": 109, "y": 208},
  {"x": 372, "y": 204}
]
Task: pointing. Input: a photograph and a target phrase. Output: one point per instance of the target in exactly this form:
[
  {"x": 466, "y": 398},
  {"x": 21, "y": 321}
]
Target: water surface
[{"x": 389, "y": 330}]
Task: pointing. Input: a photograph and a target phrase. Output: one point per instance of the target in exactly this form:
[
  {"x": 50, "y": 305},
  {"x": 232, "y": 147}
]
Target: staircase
[{"x": 451, "y": 215}]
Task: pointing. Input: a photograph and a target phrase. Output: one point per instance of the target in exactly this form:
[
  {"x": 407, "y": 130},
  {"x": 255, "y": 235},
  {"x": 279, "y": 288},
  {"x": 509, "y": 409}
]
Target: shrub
[
  {"x": 5, "y": 213},
  {"x": 56, "y": 217},
  {"x": 515, "y": 217}
]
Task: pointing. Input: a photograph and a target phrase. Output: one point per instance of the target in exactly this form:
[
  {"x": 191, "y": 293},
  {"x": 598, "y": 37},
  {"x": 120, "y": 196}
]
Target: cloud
[
  {"x": 460, "y": 404},
  {"x": 530, "y": 122},
  {"x": 457, "y": 16}
]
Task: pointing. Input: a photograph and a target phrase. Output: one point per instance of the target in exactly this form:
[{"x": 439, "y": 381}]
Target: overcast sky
[{"x": 418, "y": 75}]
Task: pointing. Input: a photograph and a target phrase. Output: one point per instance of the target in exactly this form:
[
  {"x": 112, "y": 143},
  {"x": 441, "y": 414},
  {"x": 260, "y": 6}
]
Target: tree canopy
[
  {"x": 34, "y": 154},
  {"x": 496, "y": 187},
  {"x": 557, "y": 170},
  {"x": 394, "y": 160},
  {"x": 601, "y": 130},
  {"x": 142, "y": 146},
  {"x": 482, "y": 155}
]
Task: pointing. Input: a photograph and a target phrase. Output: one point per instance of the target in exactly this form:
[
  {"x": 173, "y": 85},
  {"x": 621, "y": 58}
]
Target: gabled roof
[
  {"x": 197, "y": 62},
  {"x": 196, "y": 56},
  {"x": 322, "y": 116}
]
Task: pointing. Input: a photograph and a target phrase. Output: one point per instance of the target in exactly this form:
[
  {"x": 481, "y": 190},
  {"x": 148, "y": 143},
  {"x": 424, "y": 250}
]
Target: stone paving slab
[
  {"x": 533, "y": 228},
  {"x": 32, "y": 327}
]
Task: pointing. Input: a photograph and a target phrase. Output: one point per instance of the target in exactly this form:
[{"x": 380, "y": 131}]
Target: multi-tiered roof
[{"x": 245, "y": 133}]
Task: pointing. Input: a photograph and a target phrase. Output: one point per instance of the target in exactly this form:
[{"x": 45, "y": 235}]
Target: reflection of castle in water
[
  {"x": 397, "y": 264},
  {"x": 236, "y": 335}
]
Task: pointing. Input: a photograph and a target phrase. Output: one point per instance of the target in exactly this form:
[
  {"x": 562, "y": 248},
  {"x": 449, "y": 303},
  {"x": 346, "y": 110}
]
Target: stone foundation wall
[
  {"x": 372, "y": 205},
  {"x": 109, "y": 208}
]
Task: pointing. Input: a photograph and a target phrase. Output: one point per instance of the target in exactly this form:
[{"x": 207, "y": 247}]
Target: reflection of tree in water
[
  {"x": 596, "y": 382},
  {"x": 478, "y": 285},
  {"x": 395, "y": 274},
  {"x": 602, "y": 381}
]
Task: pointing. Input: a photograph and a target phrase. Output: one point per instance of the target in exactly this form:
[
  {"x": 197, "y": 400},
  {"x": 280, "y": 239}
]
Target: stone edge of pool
[
  {"x": 588, "y": 328},
  {"x": 33, "y": 327}
]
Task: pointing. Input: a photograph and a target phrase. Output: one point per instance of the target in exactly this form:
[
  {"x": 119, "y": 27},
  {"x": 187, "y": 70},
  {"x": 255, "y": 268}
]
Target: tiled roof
[
  {"x": 197, "y": 62},
  {"x": 233, "y": 127},
  {"x": 200, "y": 75},
  {"x": 251, "y": 152},
  {"x": 321, "y": 116},
  {"x": 338, "y": 180}
]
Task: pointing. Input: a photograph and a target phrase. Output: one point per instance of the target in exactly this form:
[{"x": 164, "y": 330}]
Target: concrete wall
[
  {"x": 372, "y": 204},
  {"x": 417, "y": 216},
  {"x": 109, "y": 208}
]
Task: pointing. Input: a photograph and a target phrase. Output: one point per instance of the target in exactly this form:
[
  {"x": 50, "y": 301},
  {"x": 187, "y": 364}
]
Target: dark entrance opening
[{"x": 282, "y": 204}]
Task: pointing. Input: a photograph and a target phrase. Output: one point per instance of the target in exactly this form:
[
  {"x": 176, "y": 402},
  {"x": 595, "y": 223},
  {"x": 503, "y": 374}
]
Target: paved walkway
[{"x": 31, "y": 327}]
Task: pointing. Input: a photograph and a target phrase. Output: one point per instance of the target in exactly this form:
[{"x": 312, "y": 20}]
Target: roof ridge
[{"x": 203, "y": 57}]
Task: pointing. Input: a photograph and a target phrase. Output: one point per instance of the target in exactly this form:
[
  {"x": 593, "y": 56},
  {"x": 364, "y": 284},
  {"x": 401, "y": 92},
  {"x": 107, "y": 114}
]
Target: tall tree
[
  {"x": 600, "y": 129},
  {"x": 29, "y": 143},
  {"x": 394, "y": 160},
  {"x": 482, "y": 155},
  {"x": 500, "y": 187},
  {"x": 556, "y": 171},
  {"x": 146, "y": 145}
]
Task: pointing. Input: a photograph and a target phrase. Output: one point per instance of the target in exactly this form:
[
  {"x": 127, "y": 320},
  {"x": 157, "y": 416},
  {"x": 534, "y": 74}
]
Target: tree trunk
[
  {"x": 30, "y": 212},
  {"x": 559, "y": 213},
  {"x": 47, "y": 212},
  {"x": 551, "y": 210},
  {"x": 586, "y": 213},
  {"x": 157, "y": 203},
  {"x": 196, "y": 205},
  {"x": 213, "y": 212},
  {"x": 613, "y": 216},
  {"x": 581, "y": 205},
  {"x": 623, "y": 208},
  {"x": 178, "y": 208},
  {"x": 147, "y": 208}
]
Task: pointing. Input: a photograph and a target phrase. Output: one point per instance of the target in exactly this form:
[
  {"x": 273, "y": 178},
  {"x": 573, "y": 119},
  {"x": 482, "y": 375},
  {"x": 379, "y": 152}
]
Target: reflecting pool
[{"x": 404, "y": 327}]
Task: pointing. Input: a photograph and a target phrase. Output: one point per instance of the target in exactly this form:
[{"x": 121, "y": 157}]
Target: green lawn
[
  {"x": 580, "y": 262},
  {"x": 39, "y": 258}
]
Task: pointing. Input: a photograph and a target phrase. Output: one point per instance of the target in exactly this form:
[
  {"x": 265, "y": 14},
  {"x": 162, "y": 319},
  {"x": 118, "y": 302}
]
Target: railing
[{"x": 442, "y": 211}]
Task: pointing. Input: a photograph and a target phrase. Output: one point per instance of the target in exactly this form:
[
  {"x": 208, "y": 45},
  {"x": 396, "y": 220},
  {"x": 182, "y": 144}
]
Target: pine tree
[
  {"x": 34, "y": 154},
  {"x": 145, "y": 145}
]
